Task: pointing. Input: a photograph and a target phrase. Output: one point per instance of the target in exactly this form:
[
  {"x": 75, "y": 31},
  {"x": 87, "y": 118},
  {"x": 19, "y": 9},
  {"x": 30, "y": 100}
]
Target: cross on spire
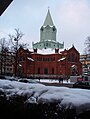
[{"x": 48, "y": 7}]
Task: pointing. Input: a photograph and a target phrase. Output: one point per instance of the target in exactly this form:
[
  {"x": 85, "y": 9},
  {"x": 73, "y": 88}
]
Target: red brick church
[
  {"x": 48, "y": 59},
  {"x": 64, "y": 63}
]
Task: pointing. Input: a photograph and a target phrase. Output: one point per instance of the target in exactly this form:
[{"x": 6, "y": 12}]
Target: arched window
[
  {"x": 73, "y": 58},
  {"x": 74, "y": 70},
  {"x": 69, "y": 58},
  {"x": 54, "y": 28},
  {"x": 76, "y": 59},
  {"x": 52, "y": 70},
  {"x": 45, "y": 71},
  {"x": 38, "y": 70},
  {"x": 46, "y": 44},
  {"x": 42, "y": 28}
]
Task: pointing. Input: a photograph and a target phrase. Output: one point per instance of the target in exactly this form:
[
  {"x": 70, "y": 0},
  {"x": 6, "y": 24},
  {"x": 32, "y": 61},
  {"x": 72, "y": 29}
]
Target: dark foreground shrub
[{"x": 16, "y": 107}]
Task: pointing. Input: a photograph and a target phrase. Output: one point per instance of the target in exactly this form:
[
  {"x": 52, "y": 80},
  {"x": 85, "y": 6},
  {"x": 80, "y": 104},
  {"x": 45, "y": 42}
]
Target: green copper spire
[
  {"x": 48, "y": 20},
  {"x": 48, "y": 35}
]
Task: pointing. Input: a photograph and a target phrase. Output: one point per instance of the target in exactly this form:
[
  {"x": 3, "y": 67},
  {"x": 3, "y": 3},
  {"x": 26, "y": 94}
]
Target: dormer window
[
  {"x": 42, "y": 28},
  {"x": 54, "y": 28}
]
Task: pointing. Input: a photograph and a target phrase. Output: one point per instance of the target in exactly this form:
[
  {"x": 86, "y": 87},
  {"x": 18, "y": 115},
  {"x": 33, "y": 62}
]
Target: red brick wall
[{"x": 50, "y": 62}]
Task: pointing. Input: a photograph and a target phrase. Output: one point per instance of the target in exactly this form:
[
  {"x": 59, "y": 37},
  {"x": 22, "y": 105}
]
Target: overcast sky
[{"x": 71, "y": 18}]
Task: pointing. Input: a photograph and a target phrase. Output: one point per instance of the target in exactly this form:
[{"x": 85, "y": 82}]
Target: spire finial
[
  {"x": 72, "y": 44},
  {"x": 48, "y": 8}
]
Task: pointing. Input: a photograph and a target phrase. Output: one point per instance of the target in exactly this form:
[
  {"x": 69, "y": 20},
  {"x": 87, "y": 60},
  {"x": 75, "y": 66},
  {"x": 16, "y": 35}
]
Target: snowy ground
[
  {"x": 53, "y": 81},
  {"x": 43, "y": 80},
  {"x": 69, "y": 98}
]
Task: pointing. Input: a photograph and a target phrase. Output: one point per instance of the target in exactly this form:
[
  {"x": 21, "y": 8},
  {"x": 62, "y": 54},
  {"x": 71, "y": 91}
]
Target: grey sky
[{"x": 71, "y": 18}]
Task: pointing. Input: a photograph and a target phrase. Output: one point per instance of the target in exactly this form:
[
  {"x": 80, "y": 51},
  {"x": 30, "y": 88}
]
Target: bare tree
[
  {"x": 23, "y": 45},
  {"x": 15, "y": 45},
  {"x": 15, "y": 39},
  {"x": 4, "y": 48}
]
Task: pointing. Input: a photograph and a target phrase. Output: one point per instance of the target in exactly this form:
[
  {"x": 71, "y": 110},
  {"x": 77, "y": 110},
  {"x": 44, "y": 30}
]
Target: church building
[{"x": 48, "y": 59}]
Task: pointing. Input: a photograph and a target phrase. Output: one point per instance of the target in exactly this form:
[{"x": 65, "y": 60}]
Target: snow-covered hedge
[{"x": 45, "y": 102}]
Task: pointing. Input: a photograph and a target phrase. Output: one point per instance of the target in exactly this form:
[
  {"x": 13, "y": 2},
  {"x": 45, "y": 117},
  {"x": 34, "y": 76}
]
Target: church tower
[
  {"x": 48, "y": 35},
  {"x": 48, "y": 30}
]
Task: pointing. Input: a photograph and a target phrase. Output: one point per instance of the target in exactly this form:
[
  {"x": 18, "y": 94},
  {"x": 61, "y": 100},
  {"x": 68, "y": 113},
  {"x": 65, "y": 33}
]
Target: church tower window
[{"x": 46, "y": 44}]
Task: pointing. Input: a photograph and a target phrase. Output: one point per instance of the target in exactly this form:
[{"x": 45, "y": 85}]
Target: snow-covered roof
[
  {"x": 20, "y": 65},
  {"x": 62, "y": 59},
  {"x": 30, "y": 59},
  {"x": 46, "y": 51},
  {"x": 69, "y": 98}
]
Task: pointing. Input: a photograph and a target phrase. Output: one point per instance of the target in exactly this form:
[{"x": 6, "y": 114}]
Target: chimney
[
  {"x": 35, "y": 50},
  {"x": 56, "y": 50}
]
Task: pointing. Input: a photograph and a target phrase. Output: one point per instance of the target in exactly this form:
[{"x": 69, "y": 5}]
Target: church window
[
  {"x": 45, "y": 71},
  {"x": 48, "y": 59},
  {"x": 38, "y": 70},
  {"x": 37, "y": 58},
  {"x": 52, "y": 70},
  {"x": 53, "y": 59},
  {"x": 73, "y": 58},
  {"x": 69, "y": 58},
  {"x": 42, "y": 28},
  {"x": 49, "y": 44},
  {"x": 58, "y": 45},
  {"x": 40, "y": 59},
  {"x": 46, "y": 44},
  {"x": 76, "y": 59},
  {"x": 43, "y": 59},
  {"x": 54, "y": 28}
]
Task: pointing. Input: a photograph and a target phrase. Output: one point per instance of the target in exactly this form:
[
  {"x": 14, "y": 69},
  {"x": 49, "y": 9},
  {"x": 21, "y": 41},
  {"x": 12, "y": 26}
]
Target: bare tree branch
[{"x": 15, "y": 39}]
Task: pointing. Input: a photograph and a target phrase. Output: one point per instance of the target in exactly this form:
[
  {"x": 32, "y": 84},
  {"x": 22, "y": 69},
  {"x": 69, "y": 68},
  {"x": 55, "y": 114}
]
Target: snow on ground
[
  {"x": 53, "y": 81},
  {"x": 38, "y": 93}
]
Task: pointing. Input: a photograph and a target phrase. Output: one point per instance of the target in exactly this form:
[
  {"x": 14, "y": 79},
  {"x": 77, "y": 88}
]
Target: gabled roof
[
  {"x": 48, "y": 20},
  {"x": 73, "y": 47}
]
